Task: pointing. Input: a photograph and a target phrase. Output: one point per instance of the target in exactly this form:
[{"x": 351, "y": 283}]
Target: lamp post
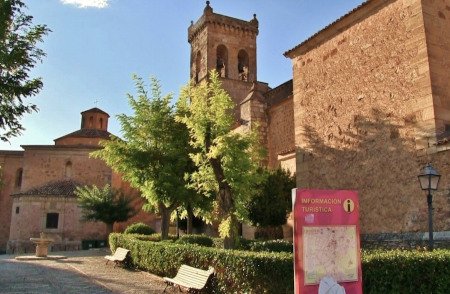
[{"x": 429, "y": 180}]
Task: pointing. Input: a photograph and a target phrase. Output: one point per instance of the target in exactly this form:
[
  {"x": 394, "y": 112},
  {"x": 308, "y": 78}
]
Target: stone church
[
  {"x": 367, "y": 108},
  {"x": 38, "y": 183}
]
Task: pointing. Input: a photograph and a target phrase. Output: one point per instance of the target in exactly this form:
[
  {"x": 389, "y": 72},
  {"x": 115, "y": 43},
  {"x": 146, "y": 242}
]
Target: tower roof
[
  {"x": 94, "y": 110},
  {"x": 87, "y": 133}
]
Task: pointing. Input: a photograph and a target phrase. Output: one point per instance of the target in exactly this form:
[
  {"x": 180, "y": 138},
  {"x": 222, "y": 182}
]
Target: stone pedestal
[
  {"x": 42, "y": 249},
  {"x": 42, "y": 244}
]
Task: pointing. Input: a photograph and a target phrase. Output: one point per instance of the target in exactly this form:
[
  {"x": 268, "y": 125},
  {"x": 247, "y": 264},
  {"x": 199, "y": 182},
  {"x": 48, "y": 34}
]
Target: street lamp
[{"x": 429, "y": 180}]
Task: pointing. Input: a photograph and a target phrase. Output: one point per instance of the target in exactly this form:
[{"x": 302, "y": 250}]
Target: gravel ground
[{"x": 82, "y": 271}]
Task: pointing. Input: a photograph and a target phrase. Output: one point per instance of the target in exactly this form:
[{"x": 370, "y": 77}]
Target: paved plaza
[{"x": 81, "y": 272}]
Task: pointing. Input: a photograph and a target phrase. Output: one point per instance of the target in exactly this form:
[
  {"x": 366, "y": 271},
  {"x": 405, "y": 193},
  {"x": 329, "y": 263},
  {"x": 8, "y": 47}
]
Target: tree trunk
[
  {"x": 190, "y": 217},
  {"x": 109, "y": 229},
  {"x": 165, "y": 219},
  {"x": 225, "y": 197}
]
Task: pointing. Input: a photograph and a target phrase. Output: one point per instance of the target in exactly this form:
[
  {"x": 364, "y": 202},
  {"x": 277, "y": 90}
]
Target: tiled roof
[
  {"x": 88, "y": 133},
  {"x": 95, "y": 109},
  {"x": 61, "y": 188}
]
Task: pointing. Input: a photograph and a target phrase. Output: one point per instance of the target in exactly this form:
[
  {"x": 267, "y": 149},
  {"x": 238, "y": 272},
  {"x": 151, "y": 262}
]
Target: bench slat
[{"x": 190, "y": 277}]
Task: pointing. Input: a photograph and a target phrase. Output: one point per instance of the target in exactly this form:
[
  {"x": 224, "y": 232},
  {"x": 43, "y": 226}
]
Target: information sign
[{"x": 326, "y": 239}]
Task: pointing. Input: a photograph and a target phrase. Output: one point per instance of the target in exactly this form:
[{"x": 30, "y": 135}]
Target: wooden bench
[
  {"x": 118, "y": 256},
  {"x": 191, "y": 278}
]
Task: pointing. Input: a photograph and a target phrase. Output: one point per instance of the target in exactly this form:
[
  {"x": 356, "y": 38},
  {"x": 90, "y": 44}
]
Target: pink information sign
[{"x": 326, "y": 239}]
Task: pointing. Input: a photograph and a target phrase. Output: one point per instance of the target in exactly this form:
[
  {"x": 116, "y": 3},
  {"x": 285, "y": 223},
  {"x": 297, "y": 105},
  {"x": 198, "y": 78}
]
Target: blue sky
[{"x": 96, "y": 45}]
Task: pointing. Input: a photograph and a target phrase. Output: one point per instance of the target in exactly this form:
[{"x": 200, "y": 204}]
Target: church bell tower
[{"x": 228, "y": 45}]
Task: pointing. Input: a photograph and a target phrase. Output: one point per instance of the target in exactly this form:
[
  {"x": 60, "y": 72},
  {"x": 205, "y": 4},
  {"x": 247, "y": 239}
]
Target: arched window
[
  {"x": 198, "y": 61},
  {"x": 91, "y": 122},
  {"x": 68, "y": 169},
  {"x": 243, "y": 65},
  {"x": 82, "y": 123},
  {"x": 100, "y": 122},
  {"x": 19, "y": 173},
  {"x": 222, "y": 61}
]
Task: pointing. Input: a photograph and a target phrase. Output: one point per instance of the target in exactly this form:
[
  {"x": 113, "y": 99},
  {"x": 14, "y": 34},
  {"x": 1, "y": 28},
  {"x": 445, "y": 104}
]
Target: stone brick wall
[
  {"x": 10, "y": 163},
  {"x": 436, "y": 16},
  {"x": 30, "y": 221},
  {"x": 45, "y": 164},
  {"x": 362, "y": 93},
  {"x": 280, "y": 135}
]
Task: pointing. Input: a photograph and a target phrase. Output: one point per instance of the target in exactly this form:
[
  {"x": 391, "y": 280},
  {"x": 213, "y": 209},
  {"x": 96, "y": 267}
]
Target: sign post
[{"x": 326, "y": 239}]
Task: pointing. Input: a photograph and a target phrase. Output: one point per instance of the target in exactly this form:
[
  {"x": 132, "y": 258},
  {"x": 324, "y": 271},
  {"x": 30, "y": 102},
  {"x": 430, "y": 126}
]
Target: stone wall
[
  {"x": 436, "y": 16},
  {"x": 280, "y": 135},
  {"x": 362, "y": 93},
  {"x": 45, "y": 164},
  {"x": 30, "y": 220},
  {"x": 10, "y": 163}
]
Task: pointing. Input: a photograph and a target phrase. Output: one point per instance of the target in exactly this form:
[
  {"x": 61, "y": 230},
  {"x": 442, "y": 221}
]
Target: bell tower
[{"x": 228, "y": 45}]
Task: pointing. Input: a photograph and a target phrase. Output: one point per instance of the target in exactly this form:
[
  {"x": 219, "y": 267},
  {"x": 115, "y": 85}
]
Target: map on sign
[{"x": 330, "y": 251}]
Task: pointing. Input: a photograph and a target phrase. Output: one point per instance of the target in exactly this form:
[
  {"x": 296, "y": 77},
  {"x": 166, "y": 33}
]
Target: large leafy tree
[
  {"x": 153, "y": 155},
  {"x": 270, "y": 206},
  {"x": 104, "y": 204},
  {"x": 18, "y": 55},
  {"x": 227, "y": 161}
]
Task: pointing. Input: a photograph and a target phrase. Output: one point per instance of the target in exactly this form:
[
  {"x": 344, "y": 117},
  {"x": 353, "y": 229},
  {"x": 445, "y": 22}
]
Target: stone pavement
[{"x": 83, "y": 271}]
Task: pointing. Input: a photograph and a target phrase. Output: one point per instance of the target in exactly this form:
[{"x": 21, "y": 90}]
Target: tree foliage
[
  {"x": 270, "y": 206},
  {"x": 153, "y": 156},
  {"x": 104, "y": 204},
  {"x": 227, "y": 161},
  {"x": 18, "y": 55}
]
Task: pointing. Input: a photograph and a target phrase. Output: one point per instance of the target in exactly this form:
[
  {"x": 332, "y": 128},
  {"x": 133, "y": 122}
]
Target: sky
[{"x": 97, "y": 45}]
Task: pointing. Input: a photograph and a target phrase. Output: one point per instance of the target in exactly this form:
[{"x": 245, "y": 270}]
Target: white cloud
[{"x": 87, "y": 3}]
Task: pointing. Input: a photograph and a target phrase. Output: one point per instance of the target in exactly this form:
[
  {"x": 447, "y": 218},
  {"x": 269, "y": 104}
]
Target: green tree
[
  {"x": 18, "y": 55},
  {"x": 272, "y": 203},
  {"x": 105, "y": 205},
  {"x": 227, "y": 161},
  {"x": 153, "y": 156}
]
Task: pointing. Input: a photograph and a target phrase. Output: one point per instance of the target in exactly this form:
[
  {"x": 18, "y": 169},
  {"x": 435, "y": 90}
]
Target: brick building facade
[{"x": 38, "y": 183}]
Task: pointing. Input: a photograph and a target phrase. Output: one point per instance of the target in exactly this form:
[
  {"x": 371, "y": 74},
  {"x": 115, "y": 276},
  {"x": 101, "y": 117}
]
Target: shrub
[
  {"x": 406, "y": 271},
  {"x": 201, "y": 240},
  {"x": 236, "y": 271},
  {"x": 395, "y": 271},
  {"x": 272, "y": 246},
  {"x": 139, "y": 228}
]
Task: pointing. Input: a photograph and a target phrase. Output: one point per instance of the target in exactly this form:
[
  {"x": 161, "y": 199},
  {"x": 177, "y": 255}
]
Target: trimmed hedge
[
  {"x": 406, "y": 271},
  {"x": 236, "y": 271},
  {"x": 201, "y": 240},
  {"x": 272, "y": 246},
  {"x": 394, "y": 271},
  {"x": 139, "y": 228}
]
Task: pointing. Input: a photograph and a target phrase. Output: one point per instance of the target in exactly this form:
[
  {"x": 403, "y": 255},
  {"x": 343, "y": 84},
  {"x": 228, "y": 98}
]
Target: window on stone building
[
  {"x": 68, "y": 169},
  {"x": 91, "y": 122},
  {"x": 198, "y": 61},
  {"x": 18, "y": 182},
  {"x": 222, "y": 61},
  {"x": 52, "y": 220},
  {"x": 17, "y": 209},
  {"x": 101, "y": 123},
  {"x": 243, "y": 65}
]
